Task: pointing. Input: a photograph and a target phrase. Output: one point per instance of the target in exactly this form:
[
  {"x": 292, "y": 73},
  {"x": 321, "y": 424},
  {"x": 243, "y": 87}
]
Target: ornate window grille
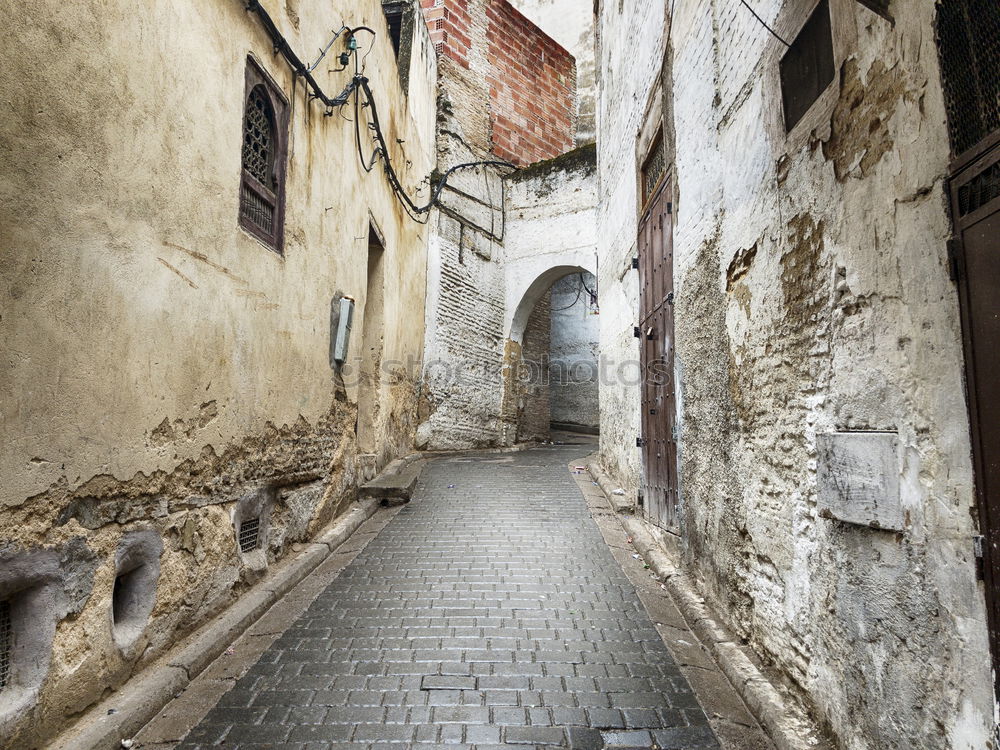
[{"x": 262, "y": 186}]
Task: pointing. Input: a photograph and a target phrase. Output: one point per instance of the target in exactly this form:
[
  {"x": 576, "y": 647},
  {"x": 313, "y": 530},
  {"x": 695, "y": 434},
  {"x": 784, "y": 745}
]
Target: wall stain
[
  {"x": 859, "y": 126},
  {"x": 176, "y": 271}
]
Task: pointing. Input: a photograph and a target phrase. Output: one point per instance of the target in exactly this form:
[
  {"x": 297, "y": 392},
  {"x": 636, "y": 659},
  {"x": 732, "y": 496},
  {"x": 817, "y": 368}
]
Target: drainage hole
[
  {"x": 249, "y": 537},
  {"x": 127, "y": 598}
]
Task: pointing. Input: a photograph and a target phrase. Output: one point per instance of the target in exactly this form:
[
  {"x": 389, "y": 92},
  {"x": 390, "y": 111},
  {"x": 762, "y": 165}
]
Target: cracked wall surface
[
  {"x": 812, "y": 299},
  {"x": 166, "y": 374}
]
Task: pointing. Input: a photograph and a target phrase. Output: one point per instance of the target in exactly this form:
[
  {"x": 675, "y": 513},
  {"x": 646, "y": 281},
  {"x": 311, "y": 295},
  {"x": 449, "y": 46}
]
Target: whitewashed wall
[{"x": 812, "y": 298}]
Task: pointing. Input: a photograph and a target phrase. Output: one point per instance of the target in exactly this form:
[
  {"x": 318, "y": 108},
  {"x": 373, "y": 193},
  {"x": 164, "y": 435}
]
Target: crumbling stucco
[{"x": 812, "y": 298}]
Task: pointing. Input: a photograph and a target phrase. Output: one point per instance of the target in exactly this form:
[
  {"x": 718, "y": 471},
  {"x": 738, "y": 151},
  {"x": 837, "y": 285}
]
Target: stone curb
[
  {"x": 785, "y": 723},
  {"x": 145, "y": 695}
]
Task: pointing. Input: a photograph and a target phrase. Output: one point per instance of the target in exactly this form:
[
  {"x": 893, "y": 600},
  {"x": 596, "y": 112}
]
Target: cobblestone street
[{"x": 488, "y": 611}]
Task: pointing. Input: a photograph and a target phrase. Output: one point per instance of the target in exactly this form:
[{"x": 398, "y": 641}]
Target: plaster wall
[
  {"x": 630, "y": 51},
  {"x": 164, "y": 368},
  {"x": 573, "y": 353},
  {"x": 812, "y": 297}
]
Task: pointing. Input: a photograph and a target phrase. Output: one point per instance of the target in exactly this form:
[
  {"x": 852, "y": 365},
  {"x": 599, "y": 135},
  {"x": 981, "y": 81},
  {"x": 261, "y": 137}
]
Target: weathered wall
[
  {"x": 165, "y": 371},
  {"x": 573, "y": 353},
  {"x": 571, "y": 24},
  {"x": 531, "y": 394},
  {"x": 532, "y": 85},
  {"x": 630, "y": 54},
  {"x": 511, "y": 86},
  {"x": 813, "y": 298}
]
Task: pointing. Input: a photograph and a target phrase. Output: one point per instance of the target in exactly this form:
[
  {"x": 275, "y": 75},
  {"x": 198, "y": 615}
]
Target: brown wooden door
[
  {"x": 656, "y": 346},
  {"x": 976, "y": 206}
]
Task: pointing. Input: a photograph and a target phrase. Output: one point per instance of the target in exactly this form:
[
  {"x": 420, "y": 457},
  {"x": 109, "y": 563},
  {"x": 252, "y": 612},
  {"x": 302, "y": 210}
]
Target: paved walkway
[{"x": 489, "y": 611}]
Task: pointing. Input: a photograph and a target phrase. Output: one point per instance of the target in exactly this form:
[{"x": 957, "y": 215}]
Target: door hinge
[
  {"x": 978, "y": 542},
  {"x": 670, "y": 298},
  {"x": 637, "y": 332},
  {"x": 954, "y": 259},
  {"x": 635, "y": 264},
  {"x": 640, "y": 442},
  {"x": 670, "y": 208}
]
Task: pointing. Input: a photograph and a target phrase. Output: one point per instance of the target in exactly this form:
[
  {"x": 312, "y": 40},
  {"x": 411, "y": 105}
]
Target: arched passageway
[{"x": 550, "y": 357}]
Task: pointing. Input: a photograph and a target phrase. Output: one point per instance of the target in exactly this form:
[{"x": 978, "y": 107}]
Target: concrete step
[{"x": 394, "y": 486}]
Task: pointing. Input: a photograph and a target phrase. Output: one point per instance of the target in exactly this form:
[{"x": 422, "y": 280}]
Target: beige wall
[{"x": 158, "y": 361}]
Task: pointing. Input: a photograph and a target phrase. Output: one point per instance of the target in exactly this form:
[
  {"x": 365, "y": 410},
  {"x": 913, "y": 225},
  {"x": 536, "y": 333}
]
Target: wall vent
[
  {"x": 980, "y": 190},
  {"x": 249, "y": 537},
  {"x": 6, "y": 643}
]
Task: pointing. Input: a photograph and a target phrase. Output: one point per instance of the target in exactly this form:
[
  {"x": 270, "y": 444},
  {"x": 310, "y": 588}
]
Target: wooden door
[{"x": 656, "y": 345}]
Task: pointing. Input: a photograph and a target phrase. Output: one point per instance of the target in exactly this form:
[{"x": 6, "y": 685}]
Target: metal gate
[
  {"x": 968, "y": 33},
  {"x": 656, "y": 345},
  {"x": 976, "y": 206}
]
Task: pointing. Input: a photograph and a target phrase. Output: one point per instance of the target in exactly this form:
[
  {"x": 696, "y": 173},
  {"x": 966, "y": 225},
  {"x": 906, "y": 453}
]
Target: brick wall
[
  {"x": 532, "y": 89},
  {"x": 450, "y": 24},
  {"x": 528, "y": 82}
]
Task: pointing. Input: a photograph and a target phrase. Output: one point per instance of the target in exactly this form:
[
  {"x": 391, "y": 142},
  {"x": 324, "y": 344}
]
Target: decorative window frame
[
  {"x": 816, "y": 121},
  {"x": 256, "y": 76},
  {"x": 651, "y": 134}
]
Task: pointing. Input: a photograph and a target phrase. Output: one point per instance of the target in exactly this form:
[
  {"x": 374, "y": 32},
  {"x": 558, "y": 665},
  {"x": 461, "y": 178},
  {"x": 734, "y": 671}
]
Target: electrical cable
[
  {"x": 579, "y": 291},
  {"x": 322, "y": 52},
  {"x": 358, "y": 85},
  {"x": 762, "y": 23}
]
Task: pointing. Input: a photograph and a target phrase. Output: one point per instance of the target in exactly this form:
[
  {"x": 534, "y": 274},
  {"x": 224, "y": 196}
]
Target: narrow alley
[{"x": 487, "y": 611}]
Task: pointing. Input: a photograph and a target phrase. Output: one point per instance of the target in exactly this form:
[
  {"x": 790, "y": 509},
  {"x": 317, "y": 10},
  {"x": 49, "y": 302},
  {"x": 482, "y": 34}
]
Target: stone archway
[{"x": 525, "y": 412}]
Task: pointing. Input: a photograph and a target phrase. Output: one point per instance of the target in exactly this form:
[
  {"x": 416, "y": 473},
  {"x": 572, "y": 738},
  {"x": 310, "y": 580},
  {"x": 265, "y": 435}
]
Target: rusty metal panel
[{"x": 976, "y": 208}]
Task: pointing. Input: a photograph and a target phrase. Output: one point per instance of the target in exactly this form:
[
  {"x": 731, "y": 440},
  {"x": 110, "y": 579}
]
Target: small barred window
[
  {"x": 654, "y": 169},
  {"x": 262, "y": 188}
]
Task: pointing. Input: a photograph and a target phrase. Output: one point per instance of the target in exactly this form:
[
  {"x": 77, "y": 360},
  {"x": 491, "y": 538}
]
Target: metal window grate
[
  {"x": 979, "y": 191},
  {"x": 258, "y": 141},
  {"x": 808, "y": 66},
  {"x": 968, "y": 34},
  {"x": 249, "y": 537},
  {"x": 256, "y": 209},
  {"x": 654, "y": 169},
  {"x": 6, "y": 643}
]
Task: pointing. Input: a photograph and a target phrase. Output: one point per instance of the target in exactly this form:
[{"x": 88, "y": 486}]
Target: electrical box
[{"x": 342, "y": 339}]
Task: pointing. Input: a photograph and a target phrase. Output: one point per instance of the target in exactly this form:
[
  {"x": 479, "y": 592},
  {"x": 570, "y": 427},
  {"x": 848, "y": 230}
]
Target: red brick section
[
  {"x": 532, "y": 84},
  {"x": 450, "y": 25},
  {"x": 531, "y": 80}
]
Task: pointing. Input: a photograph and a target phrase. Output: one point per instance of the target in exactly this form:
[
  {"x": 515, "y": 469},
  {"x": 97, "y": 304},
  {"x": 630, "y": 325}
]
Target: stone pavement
[{"x": 489, "y": 611}]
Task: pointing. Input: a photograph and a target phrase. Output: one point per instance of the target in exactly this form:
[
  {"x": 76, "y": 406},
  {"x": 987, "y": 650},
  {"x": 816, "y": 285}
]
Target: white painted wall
[{"x": 573, "y": 352}]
